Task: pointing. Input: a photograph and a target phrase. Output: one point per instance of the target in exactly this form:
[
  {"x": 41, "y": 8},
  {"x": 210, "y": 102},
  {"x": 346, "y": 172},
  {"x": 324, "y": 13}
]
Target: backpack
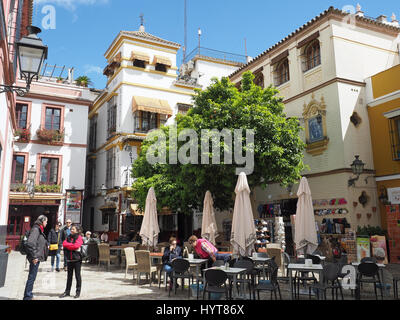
[{"x": 22, "y": 245}]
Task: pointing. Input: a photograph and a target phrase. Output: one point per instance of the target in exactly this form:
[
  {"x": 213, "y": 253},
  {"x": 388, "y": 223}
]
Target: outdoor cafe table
[
  {"x": 197, "y": 263},
  {"x": 119, "y": 250},
  {"x": 303, "y": 268},
  {"x": 233, "y": 272},
  {"x": 261, "y": 260}
]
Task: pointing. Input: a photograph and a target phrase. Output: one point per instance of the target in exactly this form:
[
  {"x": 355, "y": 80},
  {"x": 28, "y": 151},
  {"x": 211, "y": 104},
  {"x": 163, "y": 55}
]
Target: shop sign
[
  {"x": 73, "y": 206},
  {"x": 394, "y": 195},
  {"x": 363, "y": 248}
]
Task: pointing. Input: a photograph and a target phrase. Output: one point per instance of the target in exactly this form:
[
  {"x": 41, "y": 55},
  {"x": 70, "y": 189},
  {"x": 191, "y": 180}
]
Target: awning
[
  {"x": 140, "y": 56},
  {"x": 108, "y": 206},
  {"x": 151, "y": 105},
  {"x": 135, "y": 211},
  {"x": 162, "y": 60}
]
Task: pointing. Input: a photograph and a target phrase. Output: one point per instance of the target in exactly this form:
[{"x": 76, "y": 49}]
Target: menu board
[
  {"x": 73, "y": 206},
  {"x": 379, "y": 242},
  {"x": 363, "y": 248}
]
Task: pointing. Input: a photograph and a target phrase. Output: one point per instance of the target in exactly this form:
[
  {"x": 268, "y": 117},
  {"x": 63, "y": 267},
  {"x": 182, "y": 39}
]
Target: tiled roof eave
[{"x": 331, "y": 10}]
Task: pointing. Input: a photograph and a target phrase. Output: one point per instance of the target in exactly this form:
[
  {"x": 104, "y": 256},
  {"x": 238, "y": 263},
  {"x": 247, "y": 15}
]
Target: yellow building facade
[{"x": 384, "y": 116}]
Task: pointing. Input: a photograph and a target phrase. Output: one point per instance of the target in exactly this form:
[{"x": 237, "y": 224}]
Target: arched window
[
  {"x": 312, "y": 55},
  {"x": 282, "y": 72}
]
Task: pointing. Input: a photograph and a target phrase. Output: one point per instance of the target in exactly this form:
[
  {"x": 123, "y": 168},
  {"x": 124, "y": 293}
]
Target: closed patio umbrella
[
  {"x": 209, "y": 229},
  {"x": 243, "y": 235},
  {"x": 305, "y": 232},
  {"x": 149, "y": 230}
]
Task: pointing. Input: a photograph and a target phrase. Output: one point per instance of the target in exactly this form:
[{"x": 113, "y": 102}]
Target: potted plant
[
  {"x": 23, "y": 134},
  {"x": 60, "y": 79},
  {"x": 83, "y": 81},
  {"x": 52, "y": 137}
]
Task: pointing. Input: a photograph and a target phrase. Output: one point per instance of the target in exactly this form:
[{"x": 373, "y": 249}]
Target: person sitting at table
[
  {"x": 171, "y": 252},
  {"x": 206, "y": 250},
  {"x": 104, "y": 237}
]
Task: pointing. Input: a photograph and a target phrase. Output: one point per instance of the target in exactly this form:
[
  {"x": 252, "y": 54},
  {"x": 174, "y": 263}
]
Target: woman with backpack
[
  {"x": 72, "y": 248},
  {"x": 55, "y": 246}
]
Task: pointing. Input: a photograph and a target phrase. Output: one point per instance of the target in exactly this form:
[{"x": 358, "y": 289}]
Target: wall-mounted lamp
[
  {"x": 30, "y": 183},
  {"x": 31, "y": 52},
  {"x": 357, "y": 167}
]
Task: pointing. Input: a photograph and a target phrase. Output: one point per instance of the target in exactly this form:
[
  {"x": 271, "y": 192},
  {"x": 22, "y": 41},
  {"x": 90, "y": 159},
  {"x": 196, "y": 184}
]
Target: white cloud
[
  {"x": 71, "y": 4},
  {"x": 93, "y": 69}
]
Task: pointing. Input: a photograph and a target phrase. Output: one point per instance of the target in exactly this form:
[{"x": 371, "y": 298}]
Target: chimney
[
  {"x": 359, "y": 13},
  {"x": 70, "y": 79},
  {"x": 394, "y": 20},
  {"x": 382, "y": 18}
]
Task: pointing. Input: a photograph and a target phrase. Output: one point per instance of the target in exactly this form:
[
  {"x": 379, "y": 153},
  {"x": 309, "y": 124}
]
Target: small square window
[
  {"x": 139, "y": 63},
  {"x": 161, "y": 67}
]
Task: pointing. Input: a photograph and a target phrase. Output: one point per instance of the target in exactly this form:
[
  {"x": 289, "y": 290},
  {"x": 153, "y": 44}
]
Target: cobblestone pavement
[{"x": 100, "y": 284}]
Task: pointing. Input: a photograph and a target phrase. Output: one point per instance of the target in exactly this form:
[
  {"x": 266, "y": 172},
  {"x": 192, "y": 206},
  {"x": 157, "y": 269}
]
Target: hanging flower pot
[
  {"x": 355, "y": 204},
  {"x": 358, "y": 216},
  {"x": 373, "y": 209},
  {"x": 369, "y": 215}
]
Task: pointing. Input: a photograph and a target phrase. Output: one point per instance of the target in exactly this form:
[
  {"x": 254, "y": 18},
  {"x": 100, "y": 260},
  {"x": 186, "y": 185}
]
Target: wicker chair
[
  {"x": 144, "y": 265},
  {"x": 130, "y": 260},
  {"x": 104, "y": 255}
]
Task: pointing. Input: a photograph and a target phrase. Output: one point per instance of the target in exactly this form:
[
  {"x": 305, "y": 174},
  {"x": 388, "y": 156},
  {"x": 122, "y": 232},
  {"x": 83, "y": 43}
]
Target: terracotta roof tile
[
  {"x": 150, "y": 37},
  {"x": 331, "y": 10}
]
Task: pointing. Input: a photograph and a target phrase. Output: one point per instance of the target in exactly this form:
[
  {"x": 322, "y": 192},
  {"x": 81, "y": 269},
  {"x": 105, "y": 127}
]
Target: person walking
[
  {"x": 55, "y": 246},
  {"x": 72, "y": 249},
  {"x": 66, "y": 231},
  {"x": 170, "y": 253},
  {"x": 206, "y": 250},
  {"x": 37, "y": 251}
]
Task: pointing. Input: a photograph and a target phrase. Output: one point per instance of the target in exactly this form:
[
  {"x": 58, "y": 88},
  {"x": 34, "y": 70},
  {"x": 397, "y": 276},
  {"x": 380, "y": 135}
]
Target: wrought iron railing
[{"x": 216, "y": 54}]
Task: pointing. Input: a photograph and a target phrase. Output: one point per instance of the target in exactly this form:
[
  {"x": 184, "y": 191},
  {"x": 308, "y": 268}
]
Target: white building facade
[
  {"x": 143, "y": 92},
  {"x": 320, "y": 71},
  {"x": 51, "y": 133}
]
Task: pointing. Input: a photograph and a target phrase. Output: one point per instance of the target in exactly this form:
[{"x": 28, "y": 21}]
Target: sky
[{"x": 78, "y": 32}]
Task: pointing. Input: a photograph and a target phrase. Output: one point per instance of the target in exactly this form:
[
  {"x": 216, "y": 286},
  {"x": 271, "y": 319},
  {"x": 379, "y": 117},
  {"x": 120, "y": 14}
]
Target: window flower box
[
  {"x": 44, "y": 188},
  {"x": 17, "y": 187},
  {"x": 23, "y": 134},
  {"x": 51, "y": 137}
]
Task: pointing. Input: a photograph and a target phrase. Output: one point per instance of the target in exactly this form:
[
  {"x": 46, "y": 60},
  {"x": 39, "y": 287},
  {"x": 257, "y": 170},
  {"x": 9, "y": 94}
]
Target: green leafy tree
[{"x": 278, "y": 148}]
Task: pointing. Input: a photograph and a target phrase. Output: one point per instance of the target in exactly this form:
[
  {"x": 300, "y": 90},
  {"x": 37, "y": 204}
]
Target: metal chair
[
  {"x": 330, "y": 281},
  {"x": 180, "y": 270},
  {"x": 215, "y": 282},
  {"x": 368, "y": 272},
  {"x": 249, "y": 274},
  {"x": 396, "y": 280},
  {"x": 144, "y": 265},
  {"x": 368, "y": 259},
  {"x": 271, "y": 285},
  {"x": 304, "y": 276}
]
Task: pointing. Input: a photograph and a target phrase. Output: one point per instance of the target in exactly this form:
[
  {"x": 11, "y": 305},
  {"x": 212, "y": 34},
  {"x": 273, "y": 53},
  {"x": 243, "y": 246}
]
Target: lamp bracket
[{"x": 352, "y": 182}]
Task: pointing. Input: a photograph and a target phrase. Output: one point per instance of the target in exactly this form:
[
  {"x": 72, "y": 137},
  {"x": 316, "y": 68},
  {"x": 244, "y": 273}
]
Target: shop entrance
[{"x": 21, "y": 218}]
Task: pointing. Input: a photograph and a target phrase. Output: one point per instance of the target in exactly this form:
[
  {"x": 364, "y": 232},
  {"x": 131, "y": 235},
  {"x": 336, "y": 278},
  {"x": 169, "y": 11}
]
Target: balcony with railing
[{"x": 217, "y": 55}]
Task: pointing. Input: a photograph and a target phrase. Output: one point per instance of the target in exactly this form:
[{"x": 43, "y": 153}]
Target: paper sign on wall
[
  {"x": 363, "y": 248},
  {"x": 394, "y": 195}
]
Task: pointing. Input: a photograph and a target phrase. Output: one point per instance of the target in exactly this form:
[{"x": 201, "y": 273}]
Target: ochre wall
[
  {"x": 380, "y": 137},
  {"x": 386, "y": 82}
]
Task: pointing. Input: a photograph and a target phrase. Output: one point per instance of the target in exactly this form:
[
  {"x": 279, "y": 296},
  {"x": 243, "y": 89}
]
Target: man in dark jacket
[
  {"x": 66, "y": 231},
  {"x": 37, "y": 250}
]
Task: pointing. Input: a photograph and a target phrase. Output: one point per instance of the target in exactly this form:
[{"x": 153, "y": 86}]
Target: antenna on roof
[
  {"x": 185, "y": 33},
  {"x": 199, "y": 33},
  {"x": 245, "y": 47},
  {"x": 141, "y": 22}
]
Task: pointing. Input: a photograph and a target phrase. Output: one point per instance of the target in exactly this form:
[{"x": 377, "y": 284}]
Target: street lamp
[
  {"x": 103, "y": 191},
  {"x": 31, "y": 53},
  {"x": 357, "y": 167},
  {"x": 31, "y": 181}
]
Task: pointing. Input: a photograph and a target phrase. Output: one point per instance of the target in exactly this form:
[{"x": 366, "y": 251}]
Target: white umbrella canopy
[
  {"x": 209, "y": 229},
  {"x": 243, "y": 235},
  {"x": 149, "y": 230},
  {"x": 305, "y": 232}
]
